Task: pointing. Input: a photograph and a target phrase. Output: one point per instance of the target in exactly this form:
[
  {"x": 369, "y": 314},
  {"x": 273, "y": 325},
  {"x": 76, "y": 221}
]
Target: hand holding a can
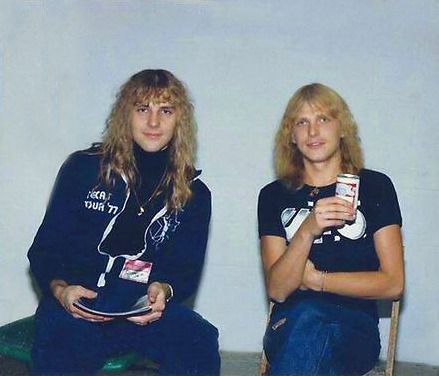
[
  {"x": 328, "y": 212},
  {"x": 347, "y": 188}
]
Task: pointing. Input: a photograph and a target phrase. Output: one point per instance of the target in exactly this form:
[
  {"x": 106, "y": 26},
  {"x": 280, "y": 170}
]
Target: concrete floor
[{"x": 233, "y": 364}]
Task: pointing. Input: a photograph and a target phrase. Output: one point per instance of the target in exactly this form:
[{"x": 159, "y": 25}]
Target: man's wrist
[
  {"x": 169, "y": 291},
  {"x": 57, "y": 286},
  {"x": 323, "y": 281},
  {"x": 305, "y": 235}
]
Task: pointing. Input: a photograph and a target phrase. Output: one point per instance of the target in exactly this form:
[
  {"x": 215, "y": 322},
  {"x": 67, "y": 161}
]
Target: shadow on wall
[{"x": 385, "y": 308}]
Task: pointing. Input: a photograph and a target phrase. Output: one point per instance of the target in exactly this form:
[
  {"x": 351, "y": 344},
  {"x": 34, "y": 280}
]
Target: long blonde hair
[
  {"x": 288, "y": 159},
  {"x": 151, "y": 86}
]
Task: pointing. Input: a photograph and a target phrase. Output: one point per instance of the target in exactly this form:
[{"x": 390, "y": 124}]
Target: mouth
[
  {"x": 314, "y": 145},
  {"x": 152, "y": 136}
]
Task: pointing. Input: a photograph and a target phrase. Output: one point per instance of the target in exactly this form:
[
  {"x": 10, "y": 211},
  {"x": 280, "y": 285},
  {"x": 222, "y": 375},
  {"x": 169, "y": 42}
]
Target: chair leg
[
  {"x": 392, "y": 339},
  {"x": 264, "y": 364},
  {"x": 264, "y": 361}
]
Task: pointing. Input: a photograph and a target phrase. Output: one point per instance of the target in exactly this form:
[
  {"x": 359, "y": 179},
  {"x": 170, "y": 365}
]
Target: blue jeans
[
  {"x": 181, "y": 342},
  {"x": 315, "y": 337}
]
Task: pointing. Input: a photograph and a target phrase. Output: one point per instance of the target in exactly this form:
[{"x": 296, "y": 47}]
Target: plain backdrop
[{"x": 63, "y": 61}]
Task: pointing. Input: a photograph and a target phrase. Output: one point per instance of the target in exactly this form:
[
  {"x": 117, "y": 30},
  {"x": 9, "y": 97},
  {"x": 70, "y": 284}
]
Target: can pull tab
[{"x": 101, "y": 280}]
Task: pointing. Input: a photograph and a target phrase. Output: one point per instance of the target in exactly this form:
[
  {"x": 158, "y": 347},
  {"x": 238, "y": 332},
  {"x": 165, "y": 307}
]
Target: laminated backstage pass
[{"x": 136, "y": 270}]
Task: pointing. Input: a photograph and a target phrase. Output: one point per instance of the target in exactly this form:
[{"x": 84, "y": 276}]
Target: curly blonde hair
[
  {"x": 151, "y": 86},
  {"x": 288, "y": 159}
]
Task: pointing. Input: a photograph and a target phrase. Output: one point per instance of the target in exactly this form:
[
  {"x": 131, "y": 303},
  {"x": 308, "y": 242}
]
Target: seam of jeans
[{"x": 321, "y": 354}]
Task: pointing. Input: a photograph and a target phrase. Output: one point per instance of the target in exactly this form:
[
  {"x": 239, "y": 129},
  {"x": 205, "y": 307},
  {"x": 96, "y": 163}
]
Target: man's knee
[
  {"x": 206, "y": 336},
  {"x": 51, "y": 317},
  {"x": 181, "y": 318}
]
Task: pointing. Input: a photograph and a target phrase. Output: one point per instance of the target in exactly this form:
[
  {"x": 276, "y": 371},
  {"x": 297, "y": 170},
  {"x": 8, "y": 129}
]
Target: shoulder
[
  {"x": 275, "y": 188},
  {"x": 83, "y": 158},
  {"x": 81, "y": 165},
  {"x": 374, "y": 178},
  {"x": 198, "y": 186},
  {"x": 201, "y": 195},
  {"x": 200, "y": 203},
  {"x": 200, "y": 189}
]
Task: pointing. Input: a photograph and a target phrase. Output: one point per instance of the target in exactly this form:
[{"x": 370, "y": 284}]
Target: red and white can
[{"x": 347, "y": 188}]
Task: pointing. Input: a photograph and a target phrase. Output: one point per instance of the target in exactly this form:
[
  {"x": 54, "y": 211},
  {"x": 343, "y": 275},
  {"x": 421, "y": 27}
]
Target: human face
[
  {"x": 153, "y": 125},
  {"x": 317, "y": 135}
]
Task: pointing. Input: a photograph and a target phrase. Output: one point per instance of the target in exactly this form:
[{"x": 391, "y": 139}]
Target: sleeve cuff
[{"x": 171, "y": 292}]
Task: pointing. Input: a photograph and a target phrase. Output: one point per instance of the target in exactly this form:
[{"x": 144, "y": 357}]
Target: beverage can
[{"x": 347, "y": 188}]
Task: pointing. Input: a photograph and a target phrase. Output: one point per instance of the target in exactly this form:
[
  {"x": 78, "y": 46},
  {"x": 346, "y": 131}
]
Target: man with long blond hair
[
  {"x": 326, "y": 263},
  {"x": 123, "y": 241}
]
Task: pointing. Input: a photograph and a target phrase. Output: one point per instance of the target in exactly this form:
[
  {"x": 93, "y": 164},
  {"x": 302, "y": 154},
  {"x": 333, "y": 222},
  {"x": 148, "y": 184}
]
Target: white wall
[{"x": 62, "y": 62}]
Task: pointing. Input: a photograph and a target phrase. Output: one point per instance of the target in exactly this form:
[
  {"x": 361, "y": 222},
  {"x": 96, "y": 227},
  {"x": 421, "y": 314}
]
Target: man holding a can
[{"x": 328, "y": 251}]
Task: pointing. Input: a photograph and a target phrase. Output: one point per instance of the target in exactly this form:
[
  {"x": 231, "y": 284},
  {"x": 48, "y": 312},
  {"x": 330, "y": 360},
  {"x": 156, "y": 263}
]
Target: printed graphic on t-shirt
[
  {"x": 160, "y": 229},
  {"x": 99, "y": 201},
  {"x": 292, "y": 218}
]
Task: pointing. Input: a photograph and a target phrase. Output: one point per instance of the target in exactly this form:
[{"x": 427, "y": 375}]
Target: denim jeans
[
  {"x": 181, "y": 342},
  {"x": 314, "y": 337}
]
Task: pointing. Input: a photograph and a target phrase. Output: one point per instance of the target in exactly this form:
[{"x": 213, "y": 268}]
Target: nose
[
  {"x": 153, "y": 119},
  {"x": 313, "y": 128}
]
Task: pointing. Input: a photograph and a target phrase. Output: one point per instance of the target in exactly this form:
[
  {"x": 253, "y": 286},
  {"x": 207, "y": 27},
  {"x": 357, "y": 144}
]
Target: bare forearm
[
  {"x": 366, "y": 285},
  {"x": 285, "y": 275},
  {"x": 286, "y": 272}
]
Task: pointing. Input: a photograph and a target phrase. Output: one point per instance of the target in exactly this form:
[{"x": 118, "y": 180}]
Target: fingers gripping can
[{"x": 347, "y": 188}]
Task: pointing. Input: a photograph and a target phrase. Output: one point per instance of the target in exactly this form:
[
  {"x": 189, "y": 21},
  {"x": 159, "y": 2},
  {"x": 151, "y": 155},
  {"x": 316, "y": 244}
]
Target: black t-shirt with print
[{"x": 350, "y": 248}]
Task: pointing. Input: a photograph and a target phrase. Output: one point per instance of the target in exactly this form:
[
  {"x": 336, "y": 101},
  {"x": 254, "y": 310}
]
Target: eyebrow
[{"x": 166, "y": 106}]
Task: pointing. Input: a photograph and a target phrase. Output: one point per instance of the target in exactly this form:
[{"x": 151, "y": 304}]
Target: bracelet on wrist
[{"x": 169, "y": 292}]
